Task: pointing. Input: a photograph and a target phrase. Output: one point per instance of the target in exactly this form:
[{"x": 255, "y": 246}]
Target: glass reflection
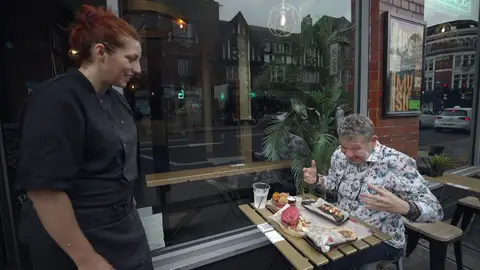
[
  {"x": 215, "y": 73},
  {"x": 449, "y": 73}
]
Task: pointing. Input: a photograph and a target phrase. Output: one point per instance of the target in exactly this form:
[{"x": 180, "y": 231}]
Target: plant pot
[
  {"x": 438, "y": 170},
  {"x": 435, "y": 149}
]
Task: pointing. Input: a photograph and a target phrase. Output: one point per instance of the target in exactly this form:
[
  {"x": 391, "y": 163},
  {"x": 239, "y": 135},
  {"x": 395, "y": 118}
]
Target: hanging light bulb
[
  {"x": 283, "y": 19},
  {"x": 443, "y": 29}
]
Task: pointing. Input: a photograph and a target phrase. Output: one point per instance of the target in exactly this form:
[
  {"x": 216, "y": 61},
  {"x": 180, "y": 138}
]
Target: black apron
[{"x": 115, "y": 232}]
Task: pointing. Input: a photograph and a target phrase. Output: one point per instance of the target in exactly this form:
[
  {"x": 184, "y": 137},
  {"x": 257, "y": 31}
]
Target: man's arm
[
  {"x": 410, "y": 185},
  {"x": 335, "y": 173}
]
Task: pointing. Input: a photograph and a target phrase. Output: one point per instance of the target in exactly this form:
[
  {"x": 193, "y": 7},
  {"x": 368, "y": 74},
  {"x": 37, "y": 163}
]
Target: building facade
[{"x": 450, "y": 64}]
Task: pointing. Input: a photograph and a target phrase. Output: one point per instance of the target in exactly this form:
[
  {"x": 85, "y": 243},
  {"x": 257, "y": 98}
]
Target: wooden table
[
  {"x": 464, "y": 182},
  {"x": 170, "y": 178},
  {"x": 302, "y": 251}
]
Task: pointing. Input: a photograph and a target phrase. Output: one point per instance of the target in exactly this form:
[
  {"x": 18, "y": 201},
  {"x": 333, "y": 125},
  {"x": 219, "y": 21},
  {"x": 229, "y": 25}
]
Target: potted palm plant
[
  {"x": 307, "y": 131},
  {"x": 439, "y": 163}
]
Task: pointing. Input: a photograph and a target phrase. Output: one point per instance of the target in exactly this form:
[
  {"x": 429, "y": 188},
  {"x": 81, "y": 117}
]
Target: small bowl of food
[{"x": 292, "y": 200}]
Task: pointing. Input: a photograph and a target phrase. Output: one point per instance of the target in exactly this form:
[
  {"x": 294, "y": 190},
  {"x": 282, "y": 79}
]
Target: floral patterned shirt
[{"x": 392, "y": 170}]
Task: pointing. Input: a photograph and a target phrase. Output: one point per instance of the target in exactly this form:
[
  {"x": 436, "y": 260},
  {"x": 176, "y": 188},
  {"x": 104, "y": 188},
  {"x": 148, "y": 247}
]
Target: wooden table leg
[
  {"x": 458, "y": 254},
  {"x": 457, "y": 215},
  {"x": 438, "y": 255},
  {"x": 412, "y": 242},
  {"x": 467, "y": 218}
]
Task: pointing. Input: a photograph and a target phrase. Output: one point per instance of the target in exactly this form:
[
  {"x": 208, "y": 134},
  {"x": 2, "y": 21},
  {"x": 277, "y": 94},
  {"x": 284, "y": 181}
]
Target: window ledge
[{"x": 209, "y": 250}]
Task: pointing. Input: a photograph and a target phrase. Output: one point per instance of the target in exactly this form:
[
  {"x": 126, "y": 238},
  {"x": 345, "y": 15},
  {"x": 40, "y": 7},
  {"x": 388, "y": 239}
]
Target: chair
[
  {"x": 439, "y": 235},
  {"x": 466, "y": 208}
]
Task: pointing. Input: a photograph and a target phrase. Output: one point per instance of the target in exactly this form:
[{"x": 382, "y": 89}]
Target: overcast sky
[{"x": 257, "y": 12}]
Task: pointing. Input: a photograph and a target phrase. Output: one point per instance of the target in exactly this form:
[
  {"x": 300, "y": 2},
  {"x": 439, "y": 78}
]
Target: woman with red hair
[{"x": 78, "y": 156}]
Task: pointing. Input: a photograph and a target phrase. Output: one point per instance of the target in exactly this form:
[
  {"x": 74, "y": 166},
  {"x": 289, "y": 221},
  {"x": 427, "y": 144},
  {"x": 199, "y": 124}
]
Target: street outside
[
  {"x": 457, "y": 144},
  {"x": 188, "y": 151}
]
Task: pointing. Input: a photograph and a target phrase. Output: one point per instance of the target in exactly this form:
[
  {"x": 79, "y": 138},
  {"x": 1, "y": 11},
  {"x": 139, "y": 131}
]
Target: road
[
  {"x": 189, "y": 151},
  {"x": 456, "y": 143}
]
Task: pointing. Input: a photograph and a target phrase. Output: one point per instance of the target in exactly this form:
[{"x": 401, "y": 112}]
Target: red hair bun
[{"x": 98, "y": 25}]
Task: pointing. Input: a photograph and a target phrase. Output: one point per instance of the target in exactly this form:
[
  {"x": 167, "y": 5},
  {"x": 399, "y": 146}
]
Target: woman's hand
[{"x": 95, "y": 262}]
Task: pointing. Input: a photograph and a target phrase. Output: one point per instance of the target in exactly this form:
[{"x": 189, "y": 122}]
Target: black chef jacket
[{"x": 80, "y": 141}]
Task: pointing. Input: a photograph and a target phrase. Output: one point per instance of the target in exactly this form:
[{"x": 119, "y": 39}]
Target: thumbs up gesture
[{"x": 310, "y": 174}]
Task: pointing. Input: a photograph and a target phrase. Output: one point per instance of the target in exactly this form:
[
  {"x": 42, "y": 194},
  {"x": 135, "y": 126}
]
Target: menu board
[{"x": 404, "y": 52}]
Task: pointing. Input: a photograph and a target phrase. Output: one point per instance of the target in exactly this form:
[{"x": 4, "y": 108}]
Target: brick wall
[{"x": 398, "y": 133}]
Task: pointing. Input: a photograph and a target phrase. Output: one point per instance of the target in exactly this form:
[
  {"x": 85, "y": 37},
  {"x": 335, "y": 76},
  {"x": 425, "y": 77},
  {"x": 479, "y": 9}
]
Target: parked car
[
  {"x": 427, "y": 119},
  {"x": 455, "y": 118}
]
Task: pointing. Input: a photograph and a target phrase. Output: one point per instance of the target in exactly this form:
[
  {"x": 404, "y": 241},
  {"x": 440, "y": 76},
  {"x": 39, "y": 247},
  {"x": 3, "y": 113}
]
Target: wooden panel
[
  {"x": 469, "y": 182},
  {"x": 372, "y": 240},
  {"x": 472, "y": 202},
  {"x": 317, "y": 258},
  {"x": 293, "y": 256},
  {"x": 381, "y": 235},
  {"x": 347, "y": 249},
  {"x": 375, "y": 231},
  {"x": 334, "y": 255},
  {"x": 170, "y": 178},
  {"x": 439, "y": 231},
  {"x": 360, "y": 245},
  {"x": 251, "y": 214}
]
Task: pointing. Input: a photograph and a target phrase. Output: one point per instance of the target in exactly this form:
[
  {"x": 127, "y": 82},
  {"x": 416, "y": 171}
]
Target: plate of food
[
  {"x": 324, "y": 238},
  {"x": 326, "y": 210},
  {"x": 279, "y": 200},
  {"x": 291, "y": 221}
]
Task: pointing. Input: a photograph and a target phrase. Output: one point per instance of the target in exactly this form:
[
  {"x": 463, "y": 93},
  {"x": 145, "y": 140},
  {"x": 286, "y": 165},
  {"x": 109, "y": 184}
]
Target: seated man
[{"x": 377, "y": 184}]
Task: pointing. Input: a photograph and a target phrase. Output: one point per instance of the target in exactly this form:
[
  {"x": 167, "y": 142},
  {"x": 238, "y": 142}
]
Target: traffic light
[
  {"x": 253, "y": 94},
  {"x": 222, "y": 96}
]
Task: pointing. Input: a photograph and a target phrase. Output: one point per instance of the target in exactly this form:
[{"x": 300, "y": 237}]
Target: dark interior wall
[
  {"x": 25, "y": 46},
  {"x": 25, "y": 52}
]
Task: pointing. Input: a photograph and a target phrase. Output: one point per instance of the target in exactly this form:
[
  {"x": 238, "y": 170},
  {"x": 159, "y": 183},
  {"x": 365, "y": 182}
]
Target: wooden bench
[
  {"x": 466, "y": 207},
  {"x": 170, "y": 178},
  {"x": 463, "y": 182},
  {"x": 439, "y": 235}
]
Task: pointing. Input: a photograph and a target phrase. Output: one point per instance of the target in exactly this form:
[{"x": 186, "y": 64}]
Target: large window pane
[
  {"x": 215, "y": 73},
  {"x": 449, "y": 82}
]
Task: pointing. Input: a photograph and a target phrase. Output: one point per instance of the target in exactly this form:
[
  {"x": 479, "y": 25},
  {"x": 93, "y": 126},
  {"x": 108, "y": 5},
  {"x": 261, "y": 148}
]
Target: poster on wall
[{"x": 404, "y": 58}]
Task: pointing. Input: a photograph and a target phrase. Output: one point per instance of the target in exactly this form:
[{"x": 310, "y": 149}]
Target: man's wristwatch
[{"x": 413, "y": 213}]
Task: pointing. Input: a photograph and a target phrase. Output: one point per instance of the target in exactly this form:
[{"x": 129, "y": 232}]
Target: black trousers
[
  {"x": 115, "y": 232},
  {"x": 382, "y": 252}
]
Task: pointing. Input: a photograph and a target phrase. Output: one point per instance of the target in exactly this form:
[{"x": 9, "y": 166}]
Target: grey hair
[{"x": 356, "y": 125}]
